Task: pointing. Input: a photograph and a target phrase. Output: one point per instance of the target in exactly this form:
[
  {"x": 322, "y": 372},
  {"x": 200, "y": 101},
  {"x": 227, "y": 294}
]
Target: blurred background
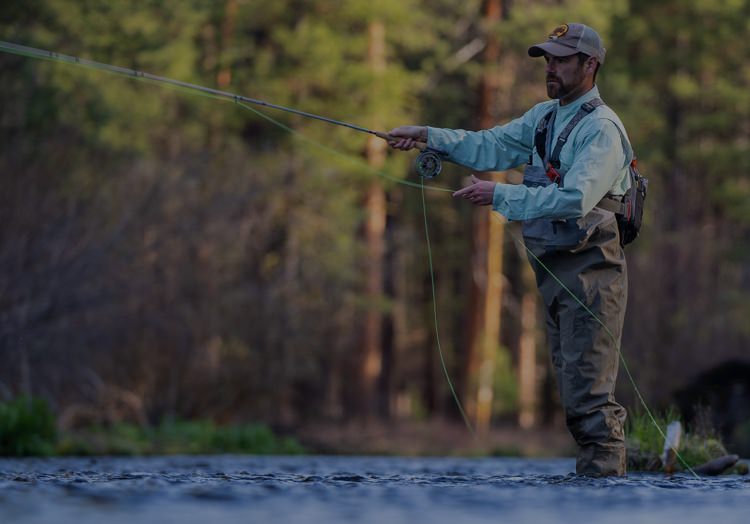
[{"x": 165, "y": 256}]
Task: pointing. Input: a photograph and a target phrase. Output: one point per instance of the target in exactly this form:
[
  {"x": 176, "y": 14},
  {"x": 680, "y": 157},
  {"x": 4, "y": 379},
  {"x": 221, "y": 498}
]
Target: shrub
[
  {"x": 643, "y": 435},
  {"x": 645, "y": 442},
  {"x": 175, "y": 436},
  {"x": 27, "y": 427}
]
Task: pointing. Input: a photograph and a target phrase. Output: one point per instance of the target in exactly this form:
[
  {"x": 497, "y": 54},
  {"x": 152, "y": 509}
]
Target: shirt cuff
[{"x": 498, "y": 197}]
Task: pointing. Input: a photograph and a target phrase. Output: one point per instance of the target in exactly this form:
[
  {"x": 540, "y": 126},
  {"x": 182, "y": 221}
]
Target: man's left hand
[{"x": 480, "y": 192}]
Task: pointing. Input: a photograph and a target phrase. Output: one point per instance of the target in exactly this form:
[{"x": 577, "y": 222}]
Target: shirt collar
[{"x": 573, "y": 107}]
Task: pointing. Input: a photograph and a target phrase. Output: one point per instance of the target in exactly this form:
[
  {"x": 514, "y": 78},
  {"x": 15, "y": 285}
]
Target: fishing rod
[{"x": 428, "y": 163}]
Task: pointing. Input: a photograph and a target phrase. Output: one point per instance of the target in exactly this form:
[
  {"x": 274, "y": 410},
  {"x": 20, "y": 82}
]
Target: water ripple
[{"x": 345, "y": 489}]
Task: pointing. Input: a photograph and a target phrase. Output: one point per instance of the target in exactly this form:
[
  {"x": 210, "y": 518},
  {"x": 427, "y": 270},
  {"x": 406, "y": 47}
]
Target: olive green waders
[{"x": 584, "y": 356}]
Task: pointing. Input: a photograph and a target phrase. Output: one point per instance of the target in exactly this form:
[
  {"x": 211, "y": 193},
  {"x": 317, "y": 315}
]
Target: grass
[
  {"x": 643, "y": 435},
  {"x": 27, "y": 428},
  {"x": 645, "y": 443},
  {"x": 174, "y": 436}
]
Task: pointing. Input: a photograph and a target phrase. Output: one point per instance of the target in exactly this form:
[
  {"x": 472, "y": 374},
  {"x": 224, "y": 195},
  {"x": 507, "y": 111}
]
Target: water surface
[{"x": 353, "y": 489}]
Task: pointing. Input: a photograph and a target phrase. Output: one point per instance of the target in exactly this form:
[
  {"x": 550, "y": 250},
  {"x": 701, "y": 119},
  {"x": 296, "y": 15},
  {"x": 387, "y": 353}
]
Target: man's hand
[
  {"x": 407, "y": 137},
  {"x": 480, "y": 192}
]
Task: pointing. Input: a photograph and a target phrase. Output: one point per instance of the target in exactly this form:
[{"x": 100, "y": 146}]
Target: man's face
[{"x": 565, "y": 76}]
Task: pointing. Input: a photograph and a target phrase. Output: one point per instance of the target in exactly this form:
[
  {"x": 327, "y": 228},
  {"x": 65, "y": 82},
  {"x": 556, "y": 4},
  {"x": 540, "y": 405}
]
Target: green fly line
[
  {"x": 207, "y": 92},
  {"x": 243, "y": 103},
  {"x": 497, "y": 216}
]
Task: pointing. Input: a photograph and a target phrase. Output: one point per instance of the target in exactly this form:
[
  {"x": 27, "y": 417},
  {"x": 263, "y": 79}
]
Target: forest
[{"x": 170, "y": 256}]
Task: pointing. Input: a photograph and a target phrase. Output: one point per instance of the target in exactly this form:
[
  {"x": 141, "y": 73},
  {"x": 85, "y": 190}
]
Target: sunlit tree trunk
[
  {"x": 487, "y": 262},
  {"x": 527, "y": 372},
  {"x": 374, "y": 230},
  {"x": 224, "y": 76}
]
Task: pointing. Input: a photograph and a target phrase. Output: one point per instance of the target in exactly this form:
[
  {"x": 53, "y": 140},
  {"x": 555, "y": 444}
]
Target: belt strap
[{"x": 611, "y": 203}]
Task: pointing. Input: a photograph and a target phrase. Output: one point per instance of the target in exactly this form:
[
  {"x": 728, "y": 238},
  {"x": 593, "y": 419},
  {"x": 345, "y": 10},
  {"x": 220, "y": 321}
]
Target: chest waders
[{"x": 586, "y": 255}]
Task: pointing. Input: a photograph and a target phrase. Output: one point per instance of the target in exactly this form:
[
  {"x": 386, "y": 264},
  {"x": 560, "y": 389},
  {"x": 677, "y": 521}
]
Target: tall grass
[
  {"x": 27, "y": 427},
  {"x": 641, "y": 432},
  {"x": 697, "y": 445},
  {"x": 185, "y": 437}
]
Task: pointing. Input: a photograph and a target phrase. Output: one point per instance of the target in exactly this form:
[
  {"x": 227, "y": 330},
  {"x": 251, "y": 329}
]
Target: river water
[{"x": 353, "y": 489}]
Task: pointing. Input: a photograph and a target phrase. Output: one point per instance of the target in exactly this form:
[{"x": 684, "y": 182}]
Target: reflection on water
[{"x": 347, "y": 489}]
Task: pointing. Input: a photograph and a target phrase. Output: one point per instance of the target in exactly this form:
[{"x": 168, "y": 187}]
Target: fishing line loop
[{"x": 428, "y": 165}]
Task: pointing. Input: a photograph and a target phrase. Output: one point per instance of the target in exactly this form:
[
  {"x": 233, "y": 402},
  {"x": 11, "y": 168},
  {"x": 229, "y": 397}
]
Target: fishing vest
[{"x": 567, "y": 234}]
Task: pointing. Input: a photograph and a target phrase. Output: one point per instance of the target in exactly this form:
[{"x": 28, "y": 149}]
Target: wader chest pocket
[{"x": 558, "y": 234}]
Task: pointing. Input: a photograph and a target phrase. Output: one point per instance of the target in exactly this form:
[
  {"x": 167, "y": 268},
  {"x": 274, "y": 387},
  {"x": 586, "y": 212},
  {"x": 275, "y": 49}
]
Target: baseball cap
[{"x": 569, "y": 39}]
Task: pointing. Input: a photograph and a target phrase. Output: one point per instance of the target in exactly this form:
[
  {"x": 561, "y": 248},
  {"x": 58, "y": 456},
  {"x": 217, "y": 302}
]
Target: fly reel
[{"x": 428, "y": 163}]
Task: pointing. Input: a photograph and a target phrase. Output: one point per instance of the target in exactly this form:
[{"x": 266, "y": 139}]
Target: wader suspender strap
[
  {"x": 541, "y": 138},
  {"x": 585, "y": 109},
  {"x": 615, "y": 203},
  {"x": 542, "y": 141}
]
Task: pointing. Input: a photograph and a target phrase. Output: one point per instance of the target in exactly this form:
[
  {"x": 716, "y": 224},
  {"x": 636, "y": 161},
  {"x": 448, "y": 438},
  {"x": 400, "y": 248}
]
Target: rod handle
[{"x": 385, "y": 136}]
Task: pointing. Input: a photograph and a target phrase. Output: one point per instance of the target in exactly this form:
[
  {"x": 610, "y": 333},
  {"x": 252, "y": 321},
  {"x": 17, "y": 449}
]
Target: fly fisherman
[{"x": 576, "y": 153}]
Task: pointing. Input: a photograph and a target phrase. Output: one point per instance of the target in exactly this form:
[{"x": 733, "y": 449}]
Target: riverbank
[{"x": 434, "y": 438}]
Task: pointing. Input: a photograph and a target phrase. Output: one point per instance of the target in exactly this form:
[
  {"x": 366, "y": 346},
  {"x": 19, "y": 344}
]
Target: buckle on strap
[{"x": 553, "y": 174}]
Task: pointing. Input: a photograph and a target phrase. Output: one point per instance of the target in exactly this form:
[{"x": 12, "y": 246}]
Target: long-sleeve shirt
[{"x": 594, "y": 161}]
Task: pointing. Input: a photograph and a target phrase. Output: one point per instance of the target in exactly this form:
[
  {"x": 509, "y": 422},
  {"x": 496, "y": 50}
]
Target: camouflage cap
[{"x": 569, "y": 39}]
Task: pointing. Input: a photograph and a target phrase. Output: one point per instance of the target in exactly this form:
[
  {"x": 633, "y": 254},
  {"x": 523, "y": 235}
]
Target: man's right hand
[{"x": 406, "y": 137}]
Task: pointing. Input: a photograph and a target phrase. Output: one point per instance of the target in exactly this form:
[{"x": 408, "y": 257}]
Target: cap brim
[{"x": 552, "y": 48}]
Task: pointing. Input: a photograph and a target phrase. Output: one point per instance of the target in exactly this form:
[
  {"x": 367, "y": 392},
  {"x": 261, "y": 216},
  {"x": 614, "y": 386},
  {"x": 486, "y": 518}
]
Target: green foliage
[
  {"x": 505, "y": 394},
  {"x": 646, "y": 441},
  {"x": 696, "y": 449},
  {"x": 643, "y": 434},
  {"x": 27, "y": 427},
  {"x": 197, "y": 255},
  {"x": 178, "y": 437}
]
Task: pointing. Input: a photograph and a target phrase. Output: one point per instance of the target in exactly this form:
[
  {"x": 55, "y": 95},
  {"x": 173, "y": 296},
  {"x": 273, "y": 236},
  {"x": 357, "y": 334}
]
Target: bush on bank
[
  {"x": 645, "y": 442},
  {"x": 173, "y": 437},
  {"x": 27, "y": 428}
]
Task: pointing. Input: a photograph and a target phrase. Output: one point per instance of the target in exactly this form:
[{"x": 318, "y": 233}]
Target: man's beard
[{"x": 557, "y": 90}]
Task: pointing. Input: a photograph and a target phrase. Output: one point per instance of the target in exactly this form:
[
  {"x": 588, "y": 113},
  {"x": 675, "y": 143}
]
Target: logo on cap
[{"x": 558, "y": 32}]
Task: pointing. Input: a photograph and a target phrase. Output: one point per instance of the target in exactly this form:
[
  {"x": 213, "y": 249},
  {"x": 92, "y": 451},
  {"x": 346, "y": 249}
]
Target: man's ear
[{"x": 590, "y": 65}]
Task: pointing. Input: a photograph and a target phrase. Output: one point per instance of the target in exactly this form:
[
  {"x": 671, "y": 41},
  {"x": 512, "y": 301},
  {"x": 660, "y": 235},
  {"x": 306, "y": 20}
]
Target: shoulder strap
[
  {"x": 540, "y": 136},
  {"x": 626, "y": 147},
  {"x": 585, "y": 109}
]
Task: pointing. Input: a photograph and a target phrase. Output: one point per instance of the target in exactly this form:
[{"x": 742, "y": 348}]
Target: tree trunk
[
  {"x": 486, "y": 294},
  {"x": 224, "y": 76},
  {"x": 218, "y": 57},
  {"x": 527, "y": 375},
  {"x": 375, "y": 205}
]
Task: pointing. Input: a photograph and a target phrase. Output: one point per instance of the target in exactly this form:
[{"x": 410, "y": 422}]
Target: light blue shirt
[{"x": 594, "y": 161}]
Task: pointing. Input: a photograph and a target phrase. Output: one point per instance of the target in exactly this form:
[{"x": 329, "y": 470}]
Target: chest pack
[{"x": 628, "y": 208}]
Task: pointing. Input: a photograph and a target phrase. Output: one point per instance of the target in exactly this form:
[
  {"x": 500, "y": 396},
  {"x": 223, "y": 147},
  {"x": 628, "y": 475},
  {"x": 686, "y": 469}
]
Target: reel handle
[{"x": 428, "y": 164}]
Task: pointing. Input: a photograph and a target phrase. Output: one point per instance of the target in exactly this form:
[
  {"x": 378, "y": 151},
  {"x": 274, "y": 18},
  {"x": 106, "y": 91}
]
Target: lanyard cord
[{"x": 244, "y": 101}]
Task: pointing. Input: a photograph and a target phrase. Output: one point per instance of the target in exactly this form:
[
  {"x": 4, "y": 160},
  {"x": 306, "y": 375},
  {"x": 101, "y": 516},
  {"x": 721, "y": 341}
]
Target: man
[{"x": 566, "y": 226}]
